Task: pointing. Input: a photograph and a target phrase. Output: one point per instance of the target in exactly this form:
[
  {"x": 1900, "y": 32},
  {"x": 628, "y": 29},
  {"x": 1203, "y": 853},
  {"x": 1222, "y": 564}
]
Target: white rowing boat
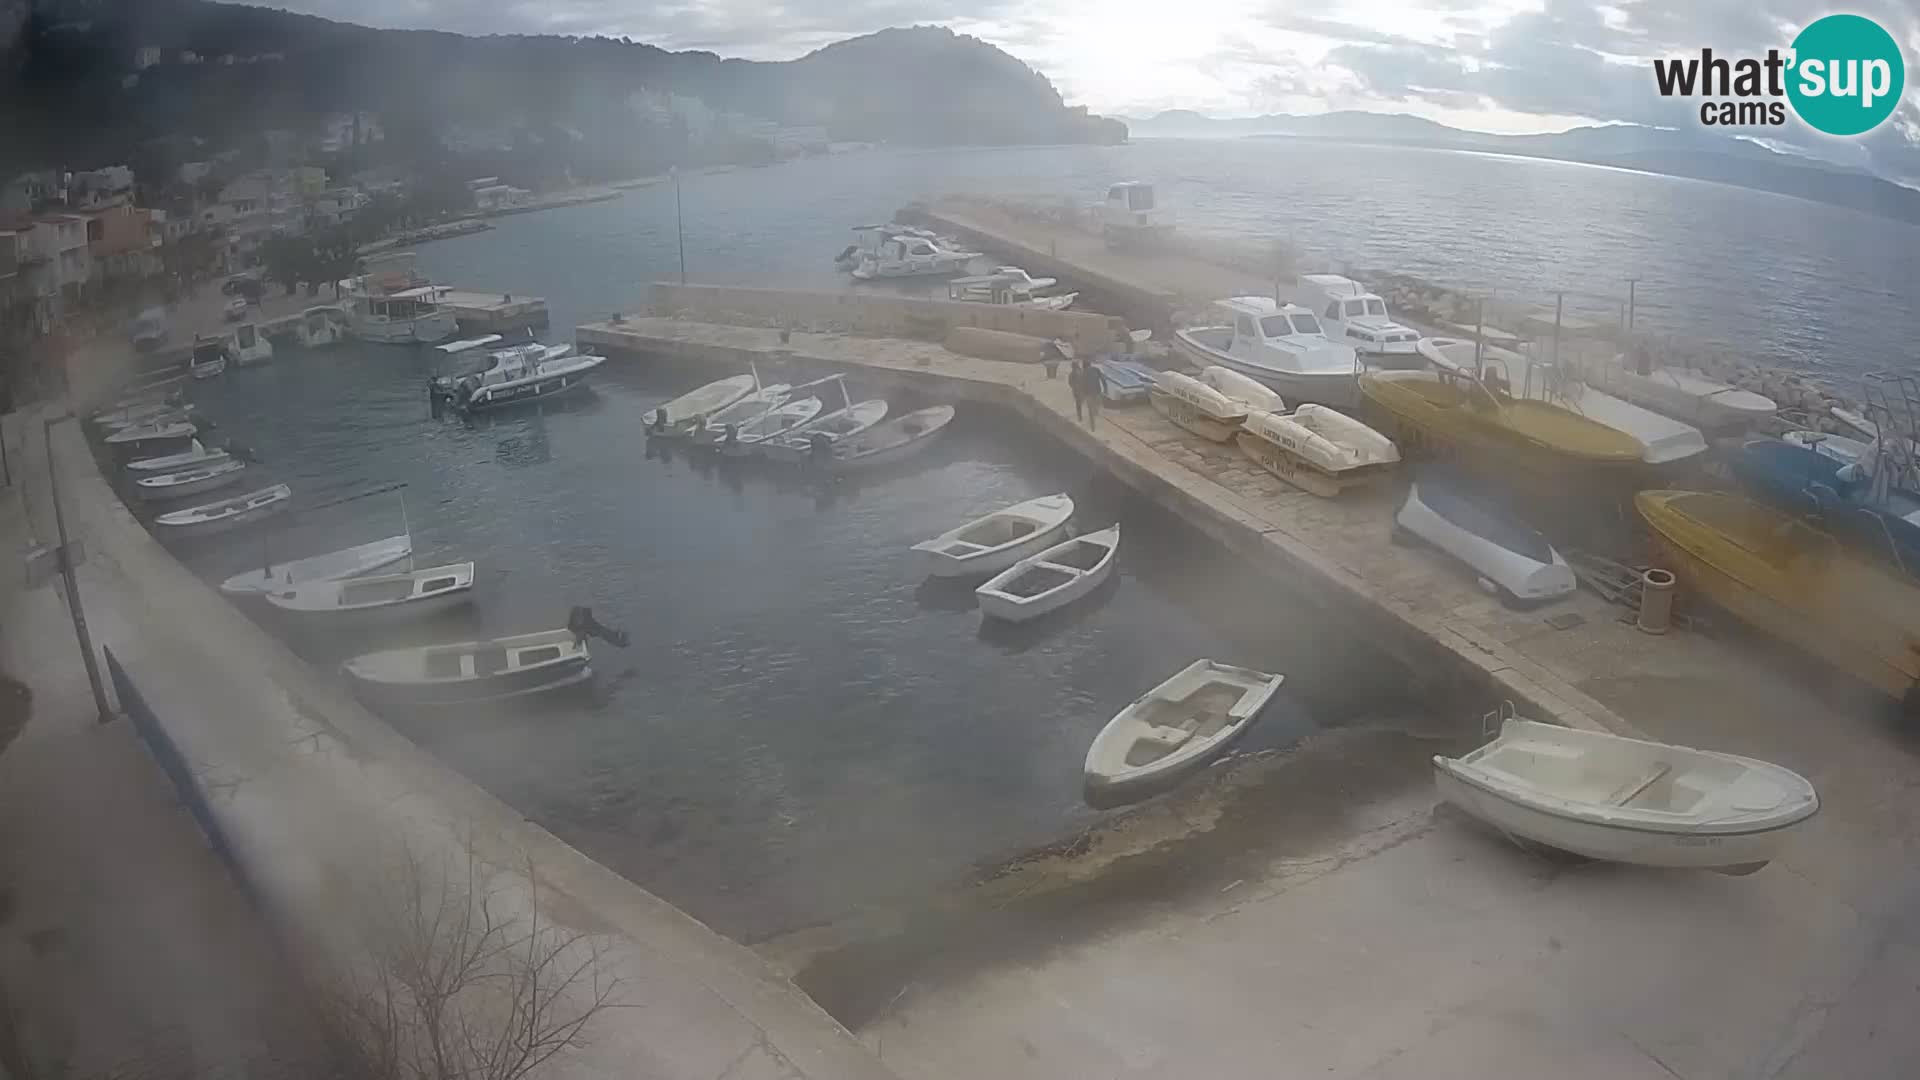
[
  {"x": 219, "y": 516},
  {"x": 1052, "y": 579},
  {"x": 690, "y": 410},
  {"x": 797, "y": 446},
  {"x": 1195, "y": 406},
  {"x": 139, "y": 433},
  {"x": 885, "y": 443},
  {"x": 414, "y": 593},
  {"x": 194, "y": 454},
  {"x": 745, "y": 440},
  {"x": 747, "y": 409},
  {"x": 192, "y": 481},
  {"x": 1173, "y": 729},
  {"x": 329, "y": 566},
  {"x": 992, "y": 542},
  {"x": 471, "y": 671},
  {"x": 1628, "y": 800},
  {"x": 1250, "y": 392}
]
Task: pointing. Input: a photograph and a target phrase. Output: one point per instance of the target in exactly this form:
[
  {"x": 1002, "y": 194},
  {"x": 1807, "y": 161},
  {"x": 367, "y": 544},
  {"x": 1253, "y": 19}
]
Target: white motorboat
[
  {"x": 1173, "y": 729},
  {"x": 1317, "y": 449},
  {"x": 992, "y": 542},
  {"x": 1449, "y": 511},
  {"x": 320, "y": 327},
  {"x": 1282, "y": 346},
  {"x": 209, "y": 357},
  {"x": 748, "y": 408},
  {"x": 892, "y": 440},
  {"x": 171, "y": 414},
  {"x": 1838, "y": 447},
  {"x": 143, "y": 412},
  {"x": 194, "y": 454},
  {"x": 413, "y": 593},
  {"x": 208, "y": 476},
  {"x": 1234, "y": 386},
  {"x": 1052, "y": 579},
  {"x": 472, "y": 671},
  {"x": 180, "y": 431},
  {"x": 330, "y": 566},
  {"x": 213, "y": 517},
  {"x": 688, "y": 411},
  {"x": 247, "y": 346},
  {"x": 1195, "y": 406},
  {"x": 1009, "y": 286},
  {"x": 1629, "y": 800},
  {"x": 912, "y": 254},
  {"x": 393, "y": 303},
  {"x": 824, "y": 432},
  {"x": 744, "y": 440},
  {"x": 1349, "y": 313},
  {"x": 530, "y": 372},
  {"x": 1680, "y": 393}
]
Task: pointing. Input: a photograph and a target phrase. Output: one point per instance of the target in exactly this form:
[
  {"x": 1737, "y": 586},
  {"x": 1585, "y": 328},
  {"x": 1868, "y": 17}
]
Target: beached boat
[
  {"x": 796, "y": 447},
  {"x": 1051, "y": 579},
  {"x": 225, "y": 514},
  {"x": 1495, "y": 432},
  {"x": 744, "y": 440},
  {"x": 893, "y": 440},
  {"x": 473, "y": 671},
  {"x": 180, "y": 483},
  {"x": 1469, "y": 522},
  {"x": 196, "y": 453},
  {"x": 688, "y": 411},
  {"x": 1629, "y": 800},
  {"x": 208, "y": 358},
  {"x": 1881, "y": 526},
  {"x": 1173, "y": 729},
  {"x": 414, "y": 593},
  {"x": 1681, "y": 394},
  {"x": 1790, "y": 579},
  {"x": 329, "y": 566},
  {"x": 1195, "y": 406},
  {"x": 992, "y": 542},
  {"x": 1317, "y": 449},
  {"x": 1237, "y": 387},
  {"x": 749, "y": 407},
  {"x": 1350, "y": 313},
  {"x": 1123, "y": 381},
  {"x": 146, "y": 437},
  {"x": 1280, "y": 345}
]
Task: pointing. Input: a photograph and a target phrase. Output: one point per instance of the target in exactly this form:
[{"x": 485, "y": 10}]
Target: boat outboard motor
[
  {"x": 820, "y": 446},
  {"x": 582, "y": 624},
  {"x": 847, "y": 255},
  {"x": 659, "y": 420},
  {"x": 732, "y": 435}
]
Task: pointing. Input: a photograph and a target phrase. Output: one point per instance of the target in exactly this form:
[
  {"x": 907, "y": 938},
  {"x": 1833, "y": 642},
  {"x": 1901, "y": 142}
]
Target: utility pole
[
  {"x": 679, "y": 222},
  {"x": 1559, "y": 306},
  {"x": 64, "y": 555},
  {"x": 1631, "y": 282}
]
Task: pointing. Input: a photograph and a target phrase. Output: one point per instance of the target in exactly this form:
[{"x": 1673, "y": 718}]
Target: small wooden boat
[
  {"x": 1629, "y": 800},
  {"x": 1317, "y": 449},
  {"x": 162, "y": 412},
  {"x": 1195, "y": 406},
  {"x": 748, "y": 408},
  {"x": 1173, "y": 729},
  {"x": 213, "y": 517},
  {"x": 330, "y": 566},
  {"x": 472, "y": 671},
  {"x": 745, "y": 439},
  {"x": 1469, "y": 522},
  {"x": 415, "y": 593},
  {"x": 1051, "y": 580},
  {"x": 888, "y": 442},
  {"x": 172, "y": 431},
  {"x": 1250, "y": 392},
  {"x": 993, "y": 542},
  {"x": 1123, "y": 381},
  {"x": 193, "y": 481},
  {"x": 172, "y": 414},
  {"x": 797, "y": 446},
  {"x": 194, "y": 454}
]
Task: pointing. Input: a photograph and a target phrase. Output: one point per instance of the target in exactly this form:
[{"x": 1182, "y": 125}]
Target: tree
[{"x": 289, "y": 260}]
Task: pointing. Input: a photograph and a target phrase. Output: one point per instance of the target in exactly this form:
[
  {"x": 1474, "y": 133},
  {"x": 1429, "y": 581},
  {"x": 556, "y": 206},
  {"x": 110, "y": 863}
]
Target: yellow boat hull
[
  {"x": 1524, "y": 437},
  {"x": 1792, "y": 581}
]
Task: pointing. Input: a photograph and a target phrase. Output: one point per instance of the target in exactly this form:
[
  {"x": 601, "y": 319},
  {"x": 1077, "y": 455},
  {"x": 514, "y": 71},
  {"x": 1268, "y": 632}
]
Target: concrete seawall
[{"x": 318, "y": 796}]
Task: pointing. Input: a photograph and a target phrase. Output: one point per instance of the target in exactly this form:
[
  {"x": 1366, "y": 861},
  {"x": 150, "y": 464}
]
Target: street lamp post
[{"x": 679, "y": 223}]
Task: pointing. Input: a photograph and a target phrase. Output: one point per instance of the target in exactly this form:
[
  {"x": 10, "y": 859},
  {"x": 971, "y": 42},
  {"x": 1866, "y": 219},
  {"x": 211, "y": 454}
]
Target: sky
[{"x": 1485, "y": 65}]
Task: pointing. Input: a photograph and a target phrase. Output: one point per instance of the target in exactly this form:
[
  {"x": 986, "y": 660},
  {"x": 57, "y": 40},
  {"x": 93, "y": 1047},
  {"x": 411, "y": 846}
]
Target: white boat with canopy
[
  {"x": 1174, "y": 729},
  {"x": 992, "y": 542},
  {"x": 412, "y": 593},
  {"x": 1280, "y": 345},
  {"x": 1052, "y": 579}
]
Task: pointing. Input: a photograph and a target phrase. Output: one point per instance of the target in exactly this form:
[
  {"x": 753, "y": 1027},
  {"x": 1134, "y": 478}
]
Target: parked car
[{"x": 235, "y": 310}]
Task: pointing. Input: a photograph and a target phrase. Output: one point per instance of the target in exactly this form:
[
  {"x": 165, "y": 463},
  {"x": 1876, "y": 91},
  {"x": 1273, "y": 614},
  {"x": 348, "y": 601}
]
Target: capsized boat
[
  {"x": 471, "y": 671},
  {"x": 892, "y": 440},
  {"x": 1317, "y": 449},
  {"x": 180, "y": 483},
  {"x": 1449, "y": 510},
  {"x": 1237, "y": 387},
  {"x": 1052, "y": 579},
  {"x": 413, "y": 593},
  {"x": 1629, "y": 800},
  {"x": 744, "y": 440},
  {"x": 1123, "y": 381},
  {"x": 219, "y": 516},
  {"x": 328, "y": 566},
  {"x": 1195, "y": 406},
  {"x": 1173, "y": 729},
  {"x": 798, "y": 446},
  {"x": 1681, "y": 394},
  {"x": 1500, "y": 433},
  {"x": 1792, "y": 580},
  {"x": 1281, "y": 345},
  {"x": 992, "y": 542},
  {"x": 690, "y": 410},
  {"x": 194, "y": 454}
]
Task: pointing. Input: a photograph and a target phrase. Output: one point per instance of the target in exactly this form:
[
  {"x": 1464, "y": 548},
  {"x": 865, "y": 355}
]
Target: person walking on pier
[{"x": 1085, "y": 384}]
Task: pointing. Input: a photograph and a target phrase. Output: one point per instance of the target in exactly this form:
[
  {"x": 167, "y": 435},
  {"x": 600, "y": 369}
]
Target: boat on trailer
[
  {"x": 1052, "y": 579},
  {"x": 992, "y": 542},
  {"x": 473, "y": 671},
  {"x": 1174, "y": 729},
  {"x": 409, "y": 594}
]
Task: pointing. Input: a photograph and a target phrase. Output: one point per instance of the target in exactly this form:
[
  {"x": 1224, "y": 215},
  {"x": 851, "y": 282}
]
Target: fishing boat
[
  {"x": 329, "y": 566},
  {"x": 393, "y": 303},
  {"x": 1467, "y": 521},
  {"x": 530, "y": 372},
  {"x": 1682, "y": 394},
  {"x": 1195, "y": 406},
  {"x": 410, "y": 594},
  {"x": 744, "y": 440},
  {"x": 196, "y": 453},
  {"x": 1174, "y": 729},
  {"x": 892, "y": 440},
  {"x": 688, "y": 411},
  {"x": 1052, "y": 579},
  {"x": 1317, "y": 449},
  {"x": 208, "y": 476},
  {"x": 247, "y": 346},
  {"x": 992, "y": 542},
  {"x": 824, "y": 432},
  {"x": 148, "y": 438},
  {"x": 208, "y": 358},
  {"x": 1350, "y": 313},
  {"x": 1495, "y": 432},
  {"x": 750, "y": 407},
  {"x": 1280, "y": 345},
  {"x": 473, "y": 671},
  {"x": 1123, "y": 381},
  {"x": 1625, "y": 800},
  {"x": 1792, "y": 580},
  {"x": 213, "y": 517},
  {"x": 1237, "y": 387}
]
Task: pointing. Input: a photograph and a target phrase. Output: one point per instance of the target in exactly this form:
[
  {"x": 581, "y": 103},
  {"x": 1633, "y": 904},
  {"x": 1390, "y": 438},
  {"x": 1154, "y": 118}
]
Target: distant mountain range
[{"x": 1698, "y": 154}]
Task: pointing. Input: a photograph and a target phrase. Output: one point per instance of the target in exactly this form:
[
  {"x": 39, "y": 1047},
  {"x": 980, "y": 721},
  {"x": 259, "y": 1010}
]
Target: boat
[
  {"x": 821, "y": 434},
  {"x": 530, "y": 372},
  {"x": 413, "y": 593},
  {"x": 172, "y": 414},
  {"x": 1052, "y": 579},
  {"x": 1349, "y": 313},
  {"x": 870, "y": 238},
  {"x": 992, "y": 542},
  {"x": 319, "y": 327},
  {"x": 235, "y": 309},
  {"x": 750, "y": 407},
  {"x": 171, "y": 431},
  {"x": 1448, "y": 510},
  {"x": 247, "y": 346},
  {"x": 902, "y": 254},
  {"x": 1680, "y": 393},
  {"x": 1883, "y": 526},
  {"x": 1174, "y": 729},
  {"x": 1842, "y": 449},
  {"x": 1009, "y": 286},
  {"x": 892, "y": 440},
  {"x": 225, "y": 514},
  {"x": 393, "y": 303},
  {"x": 145, "y": 412},
  {"x": 473, "y": 671},
  {"x": 743, "y": 440},
  {"x": 1123, "y": 381},
  {"x": 1500, "y": 434},
  {"x": 1317, "y": 449},
  {"x": 195, "y": 454},
  {"x": 1195, "y": 406},
  {"x": 330, "y": 566},
  {"x": 688, "y": 411},
  {"x": 206, "y": 476},
  {"x": 1790, "y": 579},
  {"x": 1237, "y": 387},
  {"x": 1280, "y": 345},
  {"x": 1625, "y": 800},
  {"x": 209, "y": 357},
  {"x": 1663, "y": 439}
]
